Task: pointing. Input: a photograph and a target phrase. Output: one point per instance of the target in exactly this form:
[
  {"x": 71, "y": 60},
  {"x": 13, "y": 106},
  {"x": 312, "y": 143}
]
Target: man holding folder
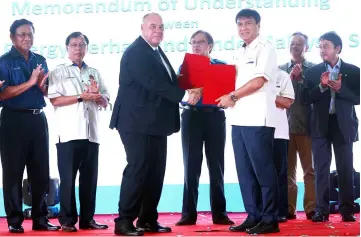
[
  {"x": 203, "y": 123},
  {"x": 253, "y": 120}
]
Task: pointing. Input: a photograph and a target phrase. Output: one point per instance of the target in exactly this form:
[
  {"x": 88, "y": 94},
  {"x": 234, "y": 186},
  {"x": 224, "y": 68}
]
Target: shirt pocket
[{"x": 71, "y": 86}]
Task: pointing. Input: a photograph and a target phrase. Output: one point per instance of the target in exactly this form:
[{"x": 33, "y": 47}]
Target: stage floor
[{"x": 299, "y": 227}]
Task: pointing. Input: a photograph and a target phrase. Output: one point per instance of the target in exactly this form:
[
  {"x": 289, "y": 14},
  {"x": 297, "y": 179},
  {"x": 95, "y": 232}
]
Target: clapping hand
[
  {"x": 296, "y": 72},
  {"x": 93, "y": 87},
  {"x": 38, "y": 77},
  {"x": 1, "y": 83},
  {"x": 335, "y": 85},
  {"x": 91, "y": 96},
  {"x": 92, "y": 93},
  {"x": 325, "y": 77},
  {"x": 42, "y": 77}
]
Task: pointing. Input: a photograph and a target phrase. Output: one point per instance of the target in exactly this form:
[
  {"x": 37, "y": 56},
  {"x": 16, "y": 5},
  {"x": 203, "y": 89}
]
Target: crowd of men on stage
[{"x": 277, "y": 112}]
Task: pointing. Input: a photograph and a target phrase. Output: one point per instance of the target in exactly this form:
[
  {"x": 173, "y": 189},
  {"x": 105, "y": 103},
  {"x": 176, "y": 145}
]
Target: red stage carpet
[{"x": 204, "y": 227}]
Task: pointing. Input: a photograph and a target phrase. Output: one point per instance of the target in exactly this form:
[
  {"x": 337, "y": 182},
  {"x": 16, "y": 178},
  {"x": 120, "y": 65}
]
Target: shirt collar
[
  {"x": 16, "y": 54},
  {"x": 305, "y": 63},
  {"x": 337, "y": 66},
  {"x": 254, "y": 43},
  {"x": 70, "y": 63},
  {"x": 154, "y": 48}
]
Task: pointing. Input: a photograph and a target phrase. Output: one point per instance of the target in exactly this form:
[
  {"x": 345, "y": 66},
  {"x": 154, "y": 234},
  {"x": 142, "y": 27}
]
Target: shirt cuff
[
  {"x": 289, "y": 96},
  {"x": 53, "y": 95},
  {"x": 322, "y": 89},
  {"x": 185, "y": 97}
]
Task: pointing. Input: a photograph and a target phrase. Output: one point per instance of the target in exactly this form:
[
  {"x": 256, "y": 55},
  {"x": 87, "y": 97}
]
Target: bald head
[
  {"x": 152, "y": 29},
  {"x": 150, "y": 16}
]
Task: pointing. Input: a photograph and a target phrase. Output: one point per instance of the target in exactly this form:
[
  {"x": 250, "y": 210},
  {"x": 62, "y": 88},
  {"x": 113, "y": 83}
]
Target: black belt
[
  {"x": 202, "y": 109},
  {"x": 31, "y": 111}
]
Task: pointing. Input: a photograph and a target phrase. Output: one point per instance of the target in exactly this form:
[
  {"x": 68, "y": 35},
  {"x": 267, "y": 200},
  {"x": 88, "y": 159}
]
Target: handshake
[{"x": 194, "y": 95}]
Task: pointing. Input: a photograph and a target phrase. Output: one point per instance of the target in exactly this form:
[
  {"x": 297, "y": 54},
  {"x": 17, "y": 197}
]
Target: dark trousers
[
  {"x": 200, "y": 127},
  {"x": 321, "y": 148},
  {"x": 24, "y": 141},
  {"x": 280, "y": 157},
  {"x": 143, "y": 177},
  {"x": 257, "y": 175},
  {"x": 74, "y": 156}
]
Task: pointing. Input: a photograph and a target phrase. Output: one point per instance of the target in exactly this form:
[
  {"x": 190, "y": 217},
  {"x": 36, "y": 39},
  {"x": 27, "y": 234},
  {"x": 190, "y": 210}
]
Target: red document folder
[
  {"x": 193, "y": 71},
  {"x": 219, "y": 80}
]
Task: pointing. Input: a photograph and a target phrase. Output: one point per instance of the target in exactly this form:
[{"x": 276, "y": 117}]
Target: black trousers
[
  {"x": 280, "y": 153},
  {"x": 74, "y": 156},
  {"x": 208, "y": 128},
  {"x": 24, "y": 141},
  {"x": 322, "y": 155},
  {"x": 257, "y": 175},
  {"x": 143, "y": 177}
]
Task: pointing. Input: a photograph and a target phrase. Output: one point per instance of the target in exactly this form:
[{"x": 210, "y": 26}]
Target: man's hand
[
  {"x": 225, "y": 101},
  {"x": 37, "y": 77},
  {"x": 278, "y": 104},
  {"x": 93, "y": 87},
  {"x": 91, "y": 96},
  {"x": 335, "y": 85},
  {"x": 283, "y": 102},
  {"x": 325, "y": 78},
  {"x": 296, "y": 72},
  {"x": 1, "y": 83},
  {"x": 194, "y": 95},
  {"x": 103, "y": 101}
]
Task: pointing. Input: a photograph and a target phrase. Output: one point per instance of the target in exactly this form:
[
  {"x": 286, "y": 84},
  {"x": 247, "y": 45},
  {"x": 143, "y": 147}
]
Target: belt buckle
[{"x": 37, "y": 111}]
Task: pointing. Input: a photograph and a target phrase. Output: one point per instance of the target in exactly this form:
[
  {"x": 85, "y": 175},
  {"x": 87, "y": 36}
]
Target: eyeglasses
[
  {"x": 23, "y": 35},
  {"x": 82, "y": 46},
  {"x": 201, "y": 42}
]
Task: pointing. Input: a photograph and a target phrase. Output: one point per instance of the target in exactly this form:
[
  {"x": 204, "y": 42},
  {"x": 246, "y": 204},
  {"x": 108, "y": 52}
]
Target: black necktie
[
  {"x": 161, "y": 61},
  {"x": 158, "y": 54}
]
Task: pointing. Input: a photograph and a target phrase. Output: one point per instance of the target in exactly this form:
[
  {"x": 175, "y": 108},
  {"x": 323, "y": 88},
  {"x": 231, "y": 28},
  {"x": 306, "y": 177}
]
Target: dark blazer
[
  {"x": 345, "y": 101},
  {"x": 148, "y": 99}
]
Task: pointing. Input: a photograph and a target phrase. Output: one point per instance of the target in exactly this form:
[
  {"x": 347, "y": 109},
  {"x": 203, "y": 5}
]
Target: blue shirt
[
  {"x": 200, "y": 104},
  {"x": 15, "y": 70}
]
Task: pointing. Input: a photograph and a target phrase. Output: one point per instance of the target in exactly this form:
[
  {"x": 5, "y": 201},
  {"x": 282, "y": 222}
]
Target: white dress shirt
[
  {"x": 258, "y": 59},
  {"x": 285, "y": 89},
  {"x": 80, "y": 120}
]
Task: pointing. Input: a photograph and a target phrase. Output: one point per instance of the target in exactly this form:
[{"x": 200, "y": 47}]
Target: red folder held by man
[
  {"x": 193, "y": 71},
  {"x": 220, "y": 80},
  {"x": 216, "y": 79}
]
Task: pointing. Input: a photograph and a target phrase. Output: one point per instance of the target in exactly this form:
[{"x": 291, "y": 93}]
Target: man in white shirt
[
  {"x": 77, "y": 91},
  {"x": 284, "y": 99},
  {"x": 253, "y": 123}
]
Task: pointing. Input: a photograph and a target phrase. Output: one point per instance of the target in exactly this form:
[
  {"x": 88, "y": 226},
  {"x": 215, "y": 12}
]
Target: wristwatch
[
  {"x": 233, "y": 97},
  {"x": 79, "y": 99}
]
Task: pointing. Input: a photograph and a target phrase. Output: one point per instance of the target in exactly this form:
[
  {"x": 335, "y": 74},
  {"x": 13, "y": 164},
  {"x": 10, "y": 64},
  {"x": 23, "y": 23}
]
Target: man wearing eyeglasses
[
  {"x": 77, "y": 90},
  {"x": 24, "y": 138},
  {"x": 202, "y": 123}
]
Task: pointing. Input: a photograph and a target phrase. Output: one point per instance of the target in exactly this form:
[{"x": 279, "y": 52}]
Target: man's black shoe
[{"x": 264, "y": 228}]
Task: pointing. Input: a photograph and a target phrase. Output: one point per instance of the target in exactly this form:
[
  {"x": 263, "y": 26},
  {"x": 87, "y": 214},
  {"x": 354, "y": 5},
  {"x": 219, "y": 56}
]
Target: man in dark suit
[
  {"x": 146, "y": 111},
  {"x": 332, "y": 88}
]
